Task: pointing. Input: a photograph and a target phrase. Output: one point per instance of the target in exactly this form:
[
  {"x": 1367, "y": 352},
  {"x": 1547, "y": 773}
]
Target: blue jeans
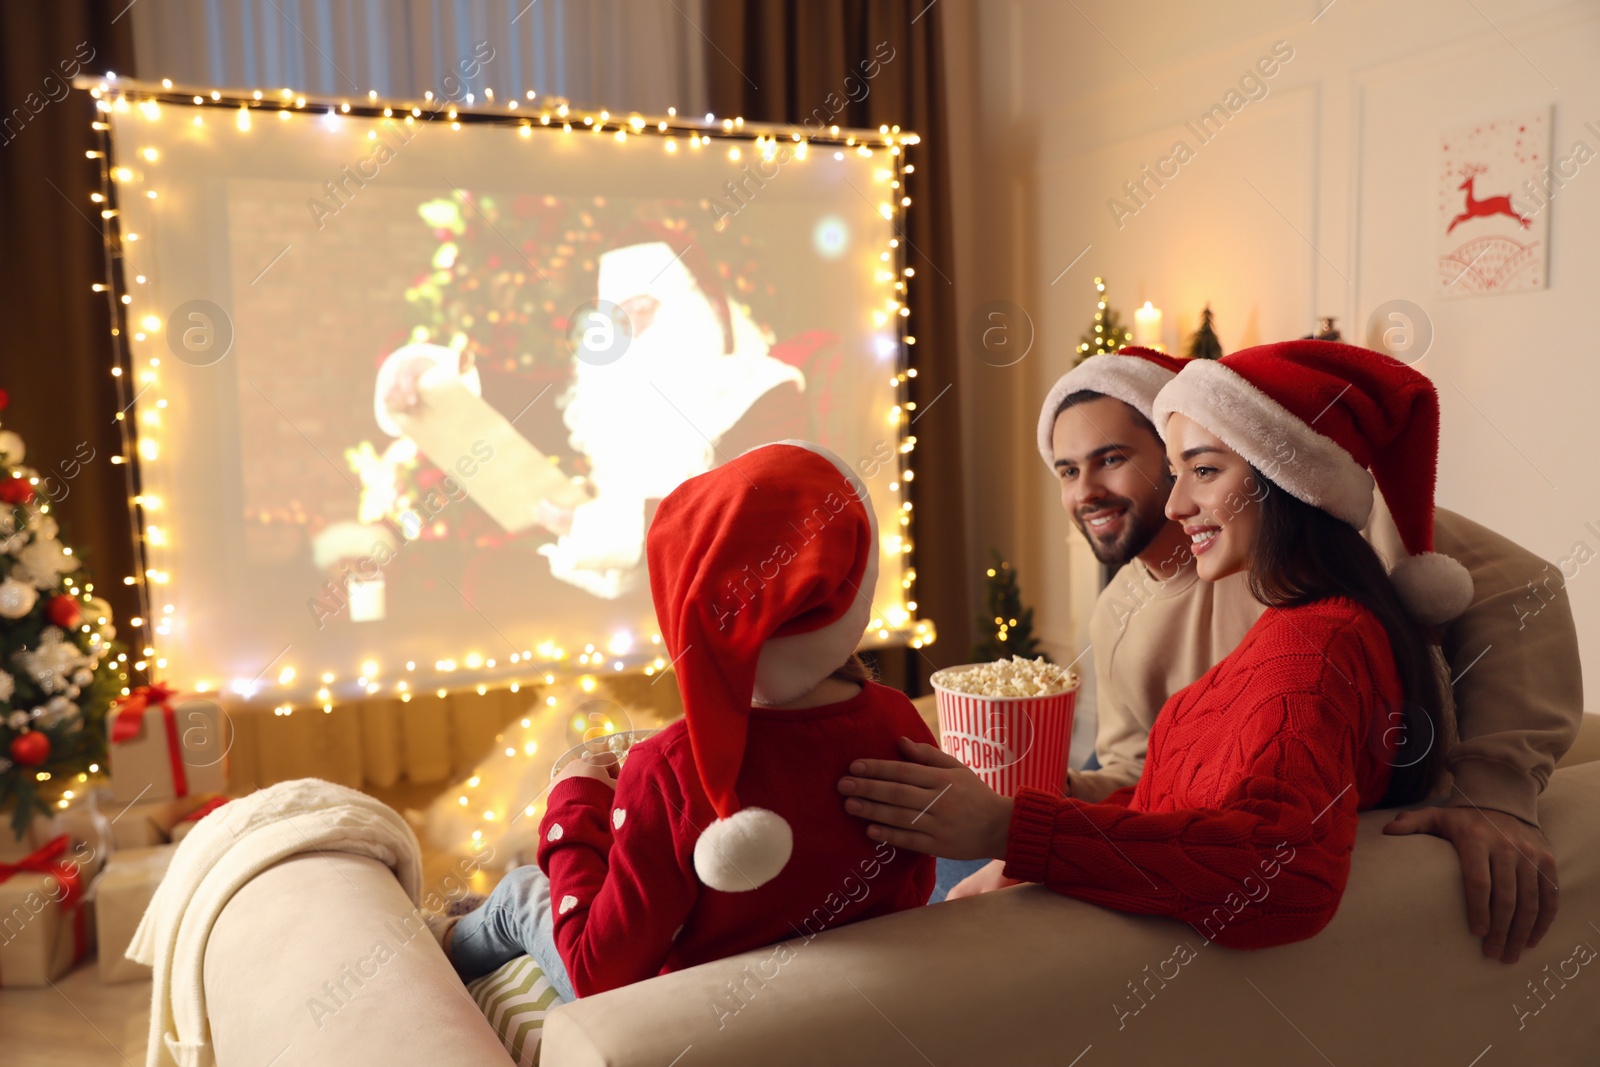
[
  {"x": 515, "y": 921},
  {"x": 949, "y": 873}
]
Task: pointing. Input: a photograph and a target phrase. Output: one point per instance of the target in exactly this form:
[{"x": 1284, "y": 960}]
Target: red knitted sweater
[
  {"x": 621, "y": 864},
  {"x": 1244, "y": 819}
]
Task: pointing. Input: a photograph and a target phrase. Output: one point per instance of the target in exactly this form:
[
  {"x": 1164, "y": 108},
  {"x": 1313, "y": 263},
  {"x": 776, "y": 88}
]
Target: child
[{"x": 722, "y": 833}]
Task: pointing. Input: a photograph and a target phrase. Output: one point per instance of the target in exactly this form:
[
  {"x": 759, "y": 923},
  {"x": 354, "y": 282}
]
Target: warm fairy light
[{"x": 621, "y": 648}]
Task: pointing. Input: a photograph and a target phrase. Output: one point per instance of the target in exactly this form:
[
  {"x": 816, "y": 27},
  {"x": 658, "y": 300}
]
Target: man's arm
[
  {"x": 1516, "y": 675},
  {"x": 1518, "y": 689}
]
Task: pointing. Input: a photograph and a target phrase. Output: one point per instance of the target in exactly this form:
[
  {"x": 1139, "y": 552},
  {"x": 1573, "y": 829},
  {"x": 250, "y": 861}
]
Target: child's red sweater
[
  {"x": 1243, "y": 822},
  {"x": 621, "y": 864}
]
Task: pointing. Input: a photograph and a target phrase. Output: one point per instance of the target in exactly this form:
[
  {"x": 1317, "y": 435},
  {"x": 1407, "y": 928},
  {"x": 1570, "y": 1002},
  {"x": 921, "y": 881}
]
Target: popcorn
[{"x": 1016, "y": 677}]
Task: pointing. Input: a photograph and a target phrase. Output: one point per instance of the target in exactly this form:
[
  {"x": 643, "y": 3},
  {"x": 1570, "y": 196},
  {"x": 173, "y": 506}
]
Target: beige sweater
[{"x": 1513, "y": 656}]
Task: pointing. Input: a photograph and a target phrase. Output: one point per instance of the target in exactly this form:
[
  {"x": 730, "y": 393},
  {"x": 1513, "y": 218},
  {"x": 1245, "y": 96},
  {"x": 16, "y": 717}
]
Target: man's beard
[{"x": 1138, "y": 530}]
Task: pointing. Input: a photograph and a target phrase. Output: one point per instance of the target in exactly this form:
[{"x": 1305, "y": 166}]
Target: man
[{"x": 1517, "y": 686}]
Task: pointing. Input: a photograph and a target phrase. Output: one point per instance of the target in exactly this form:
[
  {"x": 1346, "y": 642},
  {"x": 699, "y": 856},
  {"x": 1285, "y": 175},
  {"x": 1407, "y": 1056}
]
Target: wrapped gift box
[
  {"x": 164, "y": 748},
  {"x": 121, "y": 896},
  {"x": 151, "y": 822},
  {"x": 87, "y": 817},
  {"x": 45, "y": 925},
  {"x": 190, "y": 819}
]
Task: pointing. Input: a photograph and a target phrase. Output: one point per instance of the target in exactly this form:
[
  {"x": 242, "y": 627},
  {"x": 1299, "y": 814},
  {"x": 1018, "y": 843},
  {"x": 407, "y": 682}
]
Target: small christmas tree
[
  {"x": 59, "y": 670},
  {"x": 1203, "y": 343},
  {"x": 1011, "y": 622},
  {"x": 1108, "y": 334}
]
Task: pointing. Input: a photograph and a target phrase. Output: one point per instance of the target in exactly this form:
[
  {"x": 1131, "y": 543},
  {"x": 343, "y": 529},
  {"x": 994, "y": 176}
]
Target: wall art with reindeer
[{"x": 1492, "y": 235}]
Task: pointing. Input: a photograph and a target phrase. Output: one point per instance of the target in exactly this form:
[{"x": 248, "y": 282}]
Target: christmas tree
[
  {"x": 1108, "y": 334},
  {"x": 1203, "y": 343},
  {"x": 1011, "y": 622},
  {"x": 59, "y": 669}
]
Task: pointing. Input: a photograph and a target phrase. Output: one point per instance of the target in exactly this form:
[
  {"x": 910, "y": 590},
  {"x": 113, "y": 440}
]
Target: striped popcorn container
[{"x": 1010, "y": 742}]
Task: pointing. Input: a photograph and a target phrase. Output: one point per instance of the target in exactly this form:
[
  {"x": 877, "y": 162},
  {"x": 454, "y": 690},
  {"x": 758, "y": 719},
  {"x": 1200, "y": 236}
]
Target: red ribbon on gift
[
  {"x": 47, "y": 860},
  {"x": 80, "y": 932},
  {"x": 205, "y": 809},
  {"x": 128, "y": 715},
  {"x": 128, "y": 718}
]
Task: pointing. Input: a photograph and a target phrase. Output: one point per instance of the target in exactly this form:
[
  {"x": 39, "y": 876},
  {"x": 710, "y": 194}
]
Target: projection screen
[{"x": 408, "y": 386}]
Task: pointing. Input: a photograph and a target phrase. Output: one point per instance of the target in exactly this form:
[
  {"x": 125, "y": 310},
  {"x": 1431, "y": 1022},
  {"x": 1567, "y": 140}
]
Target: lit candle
[{"x": 1147, "y": 326}]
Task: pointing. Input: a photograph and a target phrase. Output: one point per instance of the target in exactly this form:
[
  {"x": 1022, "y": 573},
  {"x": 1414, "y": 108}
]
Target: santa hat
[
  {"x": 762, "y": 571},
  {"x": 1314, "y": 417},
  {"x": 1133, "y": 375}
]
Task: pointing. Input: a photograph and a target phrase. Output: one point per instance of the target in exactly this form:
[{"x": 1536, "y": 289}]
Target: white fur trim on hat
[
  {"x": 1132, "y": 380},
  {"x": 1434, "y": 588},
  {"x": 789, "y": 667},
  {"x": 743, "y": 851},
  {"x": 1285, "y": 448}
]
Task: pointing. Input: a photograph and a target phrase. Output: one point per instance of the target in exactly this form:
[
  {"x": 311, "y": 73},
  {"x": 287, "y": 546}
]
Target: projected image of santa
[{"x": 679, "y": 380}]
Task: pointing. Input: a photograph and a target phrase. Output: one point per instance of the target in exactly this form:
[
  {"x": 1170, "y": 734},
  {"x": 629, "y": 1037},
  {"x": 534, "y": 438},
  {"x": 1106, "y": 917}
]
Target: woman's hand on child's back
[
  {"x": 983, "y": 880},
  {"x": 934, "y": 804},
  {"x": 582, "y": 768}
]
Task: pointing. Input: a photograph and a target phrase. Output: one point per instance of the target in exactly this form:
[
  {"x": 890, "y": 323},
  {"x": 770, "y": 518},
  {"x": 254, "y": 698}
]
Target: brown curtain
[
  {"x": 55, "y": 354},
  {"x": 793, "y": 60}
]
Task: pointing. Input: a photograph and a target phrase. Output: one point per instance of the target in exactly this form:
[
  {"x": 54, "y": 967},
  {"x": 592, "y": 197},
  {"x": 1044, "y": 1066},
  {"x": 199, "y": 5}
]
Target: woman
[{"x": 1244, "y": 819}]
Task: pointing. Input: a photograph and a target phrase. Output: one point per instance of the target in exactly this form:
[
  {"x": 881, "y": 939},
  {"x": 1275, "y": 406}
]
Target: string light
[{"x": 142, "y": 430}]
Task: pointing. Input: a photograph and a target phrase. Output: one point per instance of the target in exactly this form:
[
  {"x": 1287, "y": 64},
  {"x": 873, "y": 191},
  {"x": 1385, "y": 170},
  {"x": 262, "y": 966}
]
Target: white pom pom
[
  {"x": 743, "y": 851},
  {"x": 1434, "y": 588}
]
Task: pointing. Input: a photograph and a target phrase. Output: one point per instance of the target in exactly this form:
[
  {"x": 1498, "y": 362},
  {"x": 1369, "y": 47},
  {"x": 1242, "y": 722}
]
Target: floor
[{"x": 78, "y": 1021}]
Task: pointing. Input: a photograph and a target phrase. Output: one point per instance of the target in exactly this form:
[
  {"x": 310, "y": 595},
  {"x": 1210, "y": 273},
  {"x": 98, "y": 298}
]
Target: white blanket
[{"x": 223, "y": 852}]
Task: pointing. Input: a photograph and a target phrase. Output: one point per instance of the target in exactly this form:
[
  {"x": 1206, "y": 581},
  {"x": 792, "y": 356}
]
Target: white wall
[{"x": 1316, "y": 200}]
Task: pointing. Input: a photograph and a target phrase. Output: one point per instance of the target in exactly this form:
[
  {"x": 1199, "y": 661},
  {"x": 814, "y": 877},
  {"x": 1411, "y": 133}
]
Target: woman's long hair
[{"x": 1299, "y": 554}]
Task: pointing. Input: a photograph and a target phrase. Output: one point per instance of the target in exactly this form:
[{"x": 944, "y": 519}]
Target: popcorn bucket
[{"x": 1009, "y": 742}]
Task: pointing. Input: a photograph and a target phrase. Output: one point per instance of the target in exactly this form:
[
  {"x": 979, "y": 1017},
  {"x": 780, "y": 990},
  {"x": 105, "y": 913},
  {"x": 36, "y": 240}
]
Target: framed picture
[{"x": 1493, "y": 216}]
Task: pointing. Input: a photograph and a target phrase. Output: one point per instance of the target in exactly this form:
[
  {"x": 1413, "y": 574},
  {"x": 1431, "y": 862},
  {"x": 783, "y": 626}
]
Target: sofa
[{"x": 317, "y": 962}]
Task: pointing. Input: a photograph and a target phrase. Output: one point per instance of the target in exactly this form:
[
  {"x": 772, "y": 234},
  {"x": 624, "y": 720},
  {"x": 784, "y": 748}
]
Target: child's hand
[
  {"x": 933, "y": 804},
  {"x": 582, "y": 768},
  {"x": 983, "y": 880}
]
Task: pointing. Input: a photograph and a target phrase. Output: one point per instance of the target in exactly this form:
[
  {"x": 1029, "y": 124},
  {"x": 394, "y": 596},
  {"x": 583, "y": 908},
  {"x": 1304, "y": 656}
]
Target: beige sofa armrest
[
  {"x": 1586, "y": 746},
  {"x": 324, "y": 956},
  {"x": 1023, "y": 976}
]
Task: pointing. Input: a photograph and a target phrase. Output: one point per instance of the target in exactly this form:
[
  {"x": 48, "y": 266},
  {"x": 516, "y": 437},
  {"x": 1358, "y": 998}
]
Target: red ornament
[
  {"x": 15, "y": 491},
  {"x": 5, "y": 398},
  {"x": 30, "y": 749},
  {"x": 63, "y": 611}
]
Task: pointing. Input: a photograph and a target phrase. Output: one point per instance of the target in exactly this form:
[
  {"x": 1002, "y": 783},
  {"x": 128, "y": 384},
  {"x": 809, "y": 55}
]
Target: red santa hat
[
  {"x": 1314, "y": 417},
  {"x": 762, "y": 571},
  {"x": 1133, "y": 375}
]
